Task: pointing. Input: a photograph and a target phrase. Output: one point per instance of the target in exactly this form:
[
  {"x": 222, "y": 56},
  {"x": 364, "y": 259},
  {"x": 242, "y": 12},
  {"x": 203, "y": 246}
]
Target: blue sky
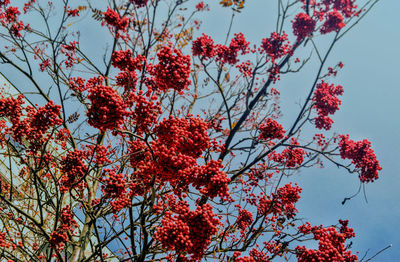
[{"x": 370, "y": 109}]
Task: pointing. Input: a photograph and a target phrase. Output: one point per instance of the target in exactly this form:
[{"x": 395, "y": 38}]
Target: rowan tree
[{"x": 148, "y": 140}]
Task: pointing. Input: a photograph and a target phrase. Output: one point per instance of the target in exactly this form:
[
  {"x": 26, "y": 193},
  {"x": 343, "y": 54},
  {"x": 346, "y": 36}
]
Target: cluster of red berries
[
  {"x": 244, "y": 219},
  {"x": 145, "y": 111},
  {"x": 362, "y": 156},
  {"x": 139, "y": 3},
  {"x": 229, "y": 54},
  {"x": 172, "y": 70},
  {"x": 59, "y": 237},
  {"x": 303, "y": 26},
  {"x": 348, "y": 8},
  {"x": 113, "y": 19},
  {"x": 277, "y": 45},
  {"x": 73, "y": 169},
  {"x": 326, "y": 103},
  {"x": 205, "y": 48},
  {"x": 211, "y": 181},
  {"x": 189, "y": 232},
  {"x": 114, "y": 187},
  {"x": 333, "y": 23},
  {"x": 271, "y": 129},
  {"x": 331, "y": 246},
  {"x": 69, "y": 50},
  {"x": 107, "y": 109},
  {"x": 34, "y": 126},
  {"x": 281, "y": 203},
  {"x": 291, "y": 156}
]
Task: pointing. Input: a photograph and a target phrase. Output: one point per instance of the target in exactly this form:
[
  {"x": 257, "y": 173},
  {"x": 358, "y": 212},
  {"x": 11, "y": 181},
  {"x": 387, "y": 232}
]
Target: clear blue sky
[{"x": 370, "y": 109}]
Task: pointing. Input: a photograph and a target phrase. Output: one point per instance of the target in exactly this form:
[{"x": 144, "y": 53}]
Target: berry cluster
[
  {"x": 69, "y": 50},
  {"x": 271, "y": 129},
  {"x": 9, "y": 18},
  {"x": 124, "y": 60},
  {"x": 172, "y": 70},
  {"x": 107, "y": 109},
  {"x": 114, "y": 20},
  {"x": 73, "y": 169},
  {"x": 139, "y": 3},
  {"x": 244, "y": 219},
  {"x": 114, "y": 187},
  {"x": 282, "y": 202},
  {"x": 303, "y": 26},
  {"x": 189, "y": 231},
  {"x": 59, "y": 237},
  {"x": 204, "y": 47},
  {"x": 188, "y": 136},
  {"x": 333, "y": 22},
  {"x": 331, "y": 244},
  {"x": 362, "y": 156},
  {"x": 211, "y": 181},
  {"x": 326, "y": 103},
  {"x": 290, "y": 156},
  {"x": 145, "y": 112},
  {"x": 348, "y": 8},
  {"x": 277, "y": 45},
  {"x": 229, "y": 54},
  {"x": 34, "y": 126}
]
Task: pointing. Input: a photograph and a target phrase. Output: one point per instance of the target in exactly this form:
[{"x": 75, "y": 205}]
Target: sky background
[{"x": 370, "y": 109}]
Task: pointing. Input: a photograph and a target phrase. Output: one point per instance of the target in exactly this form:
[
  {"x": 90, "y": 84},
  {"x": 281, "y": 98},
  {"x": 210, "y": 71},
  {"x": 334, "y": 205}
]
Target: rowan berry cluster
[
  {"x": 44, "y": 118},
  {"x": 202, "y": 7},
  {"x": 211, "y": 181},
  {"x": 188, "y": 136},
  {"x": 59, "y": 237},
  {"x": 244, "y": 219},
  {"x": 173, "y": 157},
  {"x": 281, "y": 203},
  {"x": 9, "y": 18},
  {"x": 303, "y": 26},
  {"x": 114, "y": 187},
  {"x": 326, "y": 103},
  {"x": 172, "y": 70},
  {"x": 124, "y": 60},
  {"x": 362, "y": 156},
  {"x": 3, "y": 241},
  {"x": 11, "y": 108},
  {"x": 254, "y": 256},
  {"x": 205, "y": 48},
  {"x": 139, "y": 3},
  {"x": 145, "y": 111},
  {"x": 72, "y": 12},
  {"x": 348, "y": 8},
  {"x": 113, "y": 19},
  {"x": 271, "y": 129},
  {"x": 188, "y": 232},
  {"x": 107, "y": 109},
  {"x": 333, "y": 23},
  {"x": 291, "y": 156},
  {"x": 276, "y": 46},
  {"x": 331, "y": 244},
  {"x": 34, "y": 126},
  {"x": 229, "y": 54},
  {"x": 73, "y": 169},
  {"x": 69, "y": 50}
]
